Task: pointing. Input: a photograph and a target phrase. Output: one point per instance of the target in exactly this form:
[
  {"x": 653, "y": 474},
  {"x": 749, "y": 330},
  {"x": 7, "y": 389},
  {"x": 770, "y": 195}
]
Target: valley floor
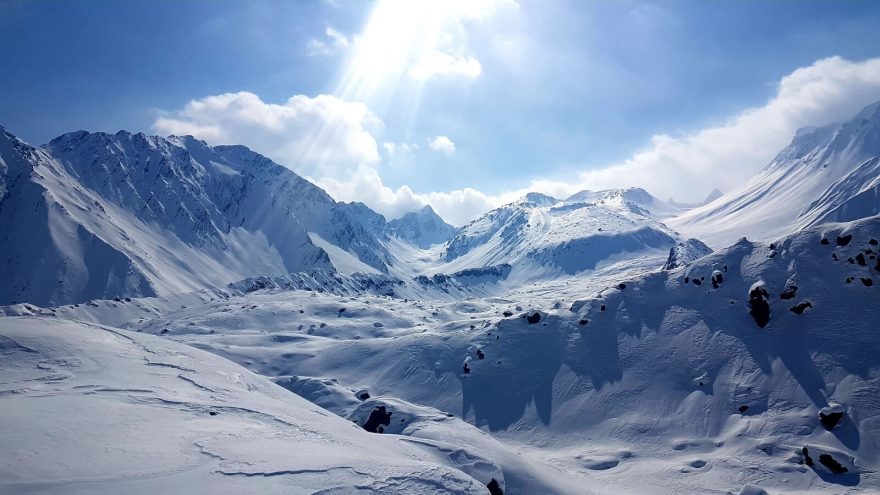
[{"x": 632, "y": 380}]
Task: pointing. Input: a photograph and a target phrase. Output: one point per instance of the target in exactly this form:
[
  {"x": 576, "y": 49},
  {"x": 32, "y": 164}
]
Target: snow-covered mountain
[
  {"x": 100, "y": 215},
  {"x": 424, "y": 228},
  {"x": 655, "y": 383},
  {"x": 827, "y": 173},
  {"x": 543, "y": 348},
  {"x": 563, "y": 236}
]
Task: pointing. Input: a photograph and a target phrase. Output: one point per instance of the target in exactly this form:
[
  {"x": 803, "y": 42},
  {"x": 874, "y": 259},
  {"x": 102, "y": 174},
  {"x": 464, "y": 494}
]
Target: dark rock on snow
[
  {"x": 760, "y": 307},
  {"x": 533, "y": 318},
  {"x": 844, "y": 240},
  {"x": 789, "y": 292},
  {"x": 799, "y": 309},
  {"x": 379, "y": 418},
  {"x": 494, "y": 488},
  {"x": 831, "y": 464}
]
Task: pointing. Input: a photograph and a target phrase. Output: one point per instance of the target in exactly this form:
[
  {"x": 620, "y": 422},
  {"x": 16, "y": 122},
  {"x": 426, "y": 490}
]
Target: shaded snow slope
[
  {"x": 813, "y": 180},
  {"x": 619, "y": 379},
  {"x": 89, "y": 409},
  {"x": 423, "y": 228}
]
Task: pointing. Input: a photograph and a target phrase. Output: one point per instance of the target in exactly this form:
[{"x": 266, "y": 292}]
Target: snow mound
[{"x": 94, "y": 409}]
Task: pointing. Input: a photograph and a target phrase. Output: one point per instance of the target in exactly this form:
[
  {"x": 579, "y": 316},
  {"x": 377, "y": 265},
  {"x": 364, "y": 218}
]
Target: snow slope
[
  {"x": 649, "y": 387},
  {"x": 553, "y": 237},
  {"x": 826, "y": 174},
  {"x": 423, "y": 228},
  {"x": 88, "y": 409},
  {"x": 99, "y": 215}
]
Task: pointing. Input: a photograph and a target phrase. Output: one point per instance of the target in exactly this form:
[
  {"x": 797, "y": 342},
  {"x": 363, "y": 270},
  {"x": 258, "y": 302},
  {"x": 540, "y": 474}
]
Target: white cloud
[
  {"x": 436, "y": 63},
  {"x": 335, "y": 43},
  {"x": 311, "y": 135},
  {"x": 687, "y": 167},
  {"x": 456, "y": 207},
  {"x": 399, "y": 148},
  {"x": 442, "y": 144}
]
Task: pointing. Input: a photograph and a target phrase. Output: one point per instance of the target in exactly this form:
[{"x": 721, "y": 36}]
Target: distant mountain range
[{"x": 97, "y": 216}]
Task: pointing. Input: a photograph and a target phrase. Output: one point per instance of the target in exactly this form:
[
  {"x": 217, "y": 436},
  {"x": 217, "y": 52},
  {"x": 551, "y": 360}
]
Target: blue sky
[{"x": 474, "y": 102}]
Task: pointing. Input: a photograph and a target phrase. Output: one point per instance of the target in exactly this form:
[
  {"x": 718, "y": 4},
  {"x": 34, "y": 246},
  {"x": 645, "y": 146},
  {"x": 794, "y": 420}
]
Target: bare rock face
[
  {"x": 834, "y": 466},
  {"x": 789, "y": 293},
  {"x": 800, "y": 308},
  {"x": 844, "y": 240},
  {"x": 379, "y": 418},
  {"x": 760, "y": 305},
  {"x": 831, "y": 415}
]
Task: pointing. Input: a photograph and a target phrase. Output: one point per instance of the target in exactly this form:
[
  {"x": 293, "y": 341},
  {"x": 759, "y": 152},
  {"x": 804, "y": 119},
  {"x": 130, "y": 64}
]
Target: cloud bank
[
  {"x": 320, "y": 135},
  {"x": 314, "y": 135}
]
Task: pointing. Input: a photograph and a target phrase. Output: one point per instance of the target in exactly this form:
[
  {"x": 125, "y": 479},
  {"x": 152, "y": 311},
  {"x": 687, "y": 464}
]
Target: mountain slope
[
  {"x": 133, "y": 215},
  {"x": 560, "y": 236},
  {"x": 423, "y": 228},
  {"x": 818, "y": 173},
  {"x": 661, "y": 377},
  {"x": 90, "y": 409}
]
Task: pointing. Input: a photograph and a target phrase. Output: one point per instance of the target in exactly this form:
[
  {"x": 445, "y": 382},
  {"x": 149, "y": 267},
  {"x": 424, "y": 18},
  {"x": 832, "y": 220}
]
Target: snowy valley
[{"x": 234, "y": 328}]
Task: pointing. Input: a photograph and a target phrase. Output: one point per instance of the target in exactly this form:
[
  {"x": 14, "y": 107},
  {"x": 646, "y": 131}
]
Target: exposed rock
[
  {"x": 831, "y": 464},
  {"x": 362, "y": 394},
  {"x": 602, "y": 308},
  {"x": 697, "y": 281},
  {"x": 481, "y": 354},
  {"x": 807, "y": 459},
  {"x": 789, "y": 292},
  {"x": 621, "y": 286},
  {"x": 507, "y": 314},
  {"x": 494, "y": 488},
  {"x": 717, "y": 278},
  {"x": 867, "y": 281},
  {"x": 860, "y": 259},
  {"x": 799, "y": 309},
  {"x": 743, "y": 409},
  {"x": 831, "y": 415},
  {"x": 583, "y": 322},
  {"x": 687, "y": 280},
  {"x": 834, "y": 256},
  {"x": 533, "y": 318},
  {"x": 466, "y": 368},
  {"x": 824, "y": 241},
  {"x": 844, "y": 240},
  {"x": 686, "y": 252},
  {"x": 379, "y": 418},
  {"x": 760, "y": 307},
  {"x": 873, "y": 242}
]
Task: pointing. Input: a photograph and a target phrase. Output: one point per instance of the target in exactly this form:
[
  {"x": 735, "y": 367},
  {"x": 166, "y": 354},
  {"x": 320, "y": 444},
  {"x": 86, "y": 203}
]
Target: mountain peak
[
  {"x": 539, "y": 199},
  {"x": 423, "y": 228}
]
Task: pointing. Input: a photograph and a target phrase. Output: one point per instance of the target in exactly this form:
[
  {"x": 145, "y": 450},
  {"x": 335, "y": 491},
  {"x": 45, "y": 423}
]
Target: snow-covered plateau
[{"x": 182, "y": 318}]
